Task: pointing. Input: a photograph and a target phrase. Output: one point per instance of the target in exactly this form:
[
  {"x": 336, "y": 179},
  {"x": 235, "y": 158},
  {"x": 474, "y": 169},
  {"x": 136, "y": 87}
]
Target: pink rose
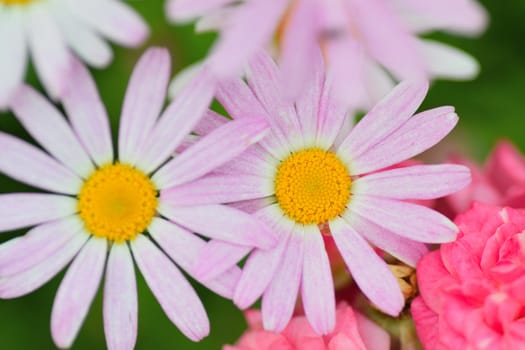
[
  {"x": 472, "y": 290},
  {"x": 352, "y": 331}
]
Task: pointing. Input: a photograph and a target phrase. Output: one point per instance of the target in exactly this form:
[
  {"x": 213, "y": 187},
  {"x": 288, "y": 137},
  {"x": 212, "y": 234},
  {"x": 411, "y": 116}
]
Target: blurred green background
[{"x": 490, "y": 107}]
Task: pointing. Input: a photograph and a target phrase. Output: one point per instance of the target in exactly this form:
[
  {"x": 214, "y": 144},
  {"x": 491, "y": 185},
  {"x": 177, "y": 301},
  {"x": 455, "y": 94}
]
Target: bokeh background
[{"x": 490, "y": 107}]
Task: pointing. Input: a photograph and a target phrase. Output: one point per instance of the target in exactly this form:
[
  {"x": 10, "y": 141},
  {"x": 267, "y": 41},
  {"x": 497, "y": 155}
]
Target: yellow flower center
[
  {"x": 117, "y": 202},
  {"x": 16, "y": 2},
  {"x": 312, "y": 186}
]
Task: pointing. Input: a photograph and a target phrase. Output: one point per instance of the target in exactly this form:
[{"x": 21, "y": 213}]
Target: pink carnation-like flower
[
  {"x": 313, "y": 168},
  {"x": 501, "y": 181},
  {"x": 352, "y": 331},
  {"x": 52, "y": 32},
  {"x": 472, "y": 290},
  {"x": 99, "y": 207},
  {"x": 365, "y": 41}
]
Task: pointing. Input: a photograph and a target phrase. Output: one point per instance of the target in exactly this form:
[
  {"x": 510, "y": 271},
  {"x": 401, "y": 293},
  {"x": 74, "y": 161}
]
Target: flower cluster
[{"x": 287, "y": 197}]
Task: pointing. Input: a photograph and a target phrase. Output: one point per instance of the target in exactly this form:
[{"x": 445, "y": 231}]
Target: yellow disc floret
[
  {"x": 117, "y": 202},
  {"x": 312, "y": 186},
  {"x": 16, "y": 2}
]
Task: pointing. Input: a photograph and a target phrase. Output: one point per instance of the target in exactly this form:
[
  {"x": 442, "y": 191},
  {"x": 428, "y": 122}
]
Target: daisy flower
[
  {"x": 51, "y": 30},
  {"x": 380, "y": 37},
  {"x": 310, "y": 171},
  {"x": 103, "y": 212}
]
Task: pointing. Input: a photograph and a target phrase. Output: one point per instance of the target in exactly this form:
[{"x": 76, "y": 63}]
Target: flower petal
[
  {"x": 50, "y": 54},
  {"x": 417, "y": 135},
  {"x": 26, "y": 282},
  {"x": 88, "y": 115},
  {"x": 384, "y": 118},
  {"x": 404, "y": 249},
  {"x": 414, "y": 182},
  {"x": 77, "y": 291},
  {"x": 49, "y": 127},
  {"x": 12, "y": 66},
  {"x": 409, "y": 220},
  {"x": 173, "y": 292},
  {"x": 26, "y": 252},
  {"x": 120, "y": 299},
  {"x": 446, "y": 62},
  {"x": 143, "y": 103},
  {"x": 223, "y": 223},
  {"x": 279, "y": 298},
  {"x": 369, "y": 271},
  {"x": 218, "y": 257},
  {"x": 317, "y": 283},
  {"x": 177, "y": 121},
  {"x": 30, "y": 165},
  {"x": 217, "y": 189},
  {"x": 115, "y": 20},
  {"x": 211, "y": 151},
  {"x": 184, "y": 10},
  {"x": 211, "y": 121},
  {"x": 184, "y": 247},
  {"x": 19, "y": 210}
]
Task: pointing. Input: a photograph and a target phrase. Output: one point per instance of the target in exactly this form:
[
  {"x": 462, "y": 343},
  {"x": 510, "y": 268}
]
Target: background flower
[{"x": 472, "y": 289}]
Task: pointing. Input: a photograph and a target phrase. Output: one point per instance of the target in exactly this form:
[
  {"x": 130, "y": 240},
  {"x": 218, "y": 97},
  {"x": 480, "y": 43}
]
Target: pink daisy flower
[
  {"x": 51, "y": 30},
  {"x": 379, "y": 37},
  {"x": 311, "y": 170},
  {"x": 100, "y": 209}
]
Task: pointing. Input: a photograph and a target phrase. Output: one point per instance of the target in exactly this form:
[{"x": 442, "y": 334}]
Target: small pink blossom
[
  {"x": 352, "y": 331},
  {"x": 472, "y": 289}
]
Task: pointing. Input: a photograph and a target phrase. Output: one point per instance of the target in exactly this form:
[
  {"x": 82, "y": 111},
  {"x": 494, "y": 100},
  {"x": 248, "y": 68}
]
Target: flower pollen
[
  {"x": 16, "y": 2},
  {"x": 312, "y": 186},
  {"x": 117, "y": 202}
]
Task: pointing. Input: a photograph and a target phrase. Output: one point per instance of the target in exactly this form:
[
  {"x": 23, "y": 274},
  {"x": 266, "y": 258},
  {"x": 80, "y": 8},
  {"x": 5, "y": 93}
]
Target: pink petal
[
  {"x": 177, "y": 121},
  {"x": 32, "y": 166},
  {"x": 77, "y": 291},
  {"x": 505, "y": 166},
  {"x": 216, "y": 189},
  {"x": 416, "y": 136},
  {"x": 307, "y": 104},
  {"x": 317, "y": 283},
  {"x": 19, "y": 210},
  {"x": 236, "y": 45},
  {"x": 174, "y": 293},
  {"x": 383, "y": 42},
  {"x": 404, "y": 249},
  {"x": 184, "y": 10},
  {"x": 446, "y": 62},
  {"x": 261, "y": 267},
  {"x": 120, "y": 299},
  {"x": 49, "y": 128},
  {"x": 414, "y": 182},
  {"x": 88, "y": 45},
  {"x": 386, "y": 116},
  {"x": 223, "y": 223},
  {"x": 209, "y": 122},
  {"x": 115, "y": 20},
  {"x": 12, "y": 66},
  {"x": 32, "y": 279},
  {"x": 217, "y": 257},
  {"x": 254, "y": 161},
  {"x": 409, "y": 220},
  {"x": 88, "y": 115},
  {"x": 373, "y": 336},
  {"x": 369, "y": 271},
  {"x": 184, "y": 247},
  {"x": 26, "y": 252},
  {"x": 50, "y": 54},
  {"x": 279, "y": 298},
  {"x": 143, "y": 103},
  {"x": 238, "y": 99},
  {"x": 266, "y": 81},
  {"x": 211, "y": 151},
  {"x": 426, "y": 322}
]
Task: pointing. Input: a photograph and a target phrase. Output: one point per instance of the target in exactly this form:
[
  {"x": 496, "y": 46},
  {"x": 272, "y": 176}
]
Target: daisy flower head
[
  {"x": 104, "y": 212},
  {"x": 313, "y": 170},
  {"x": 53, "y": 31},
  {"x": 379, "y": 37}
]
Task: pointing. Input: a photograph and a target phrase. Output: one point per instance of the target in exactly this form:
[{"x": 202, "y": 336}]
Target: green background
[{"x": 490, "y": 108}]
